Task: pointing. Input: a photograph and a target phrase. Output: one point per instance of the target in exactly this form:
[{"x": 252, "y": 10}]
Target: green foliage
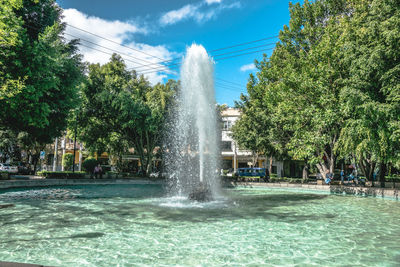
[
  {"x": 120, "y": 110},
  {"x": 371, "y": 95},
  {"x": 289, "y": 180},
  {"x": 330, "y": 89},
  {"x": 89, "y": 164},
  {"x": 61, "y": 175},
  {"x": 39, "y": 71},
  {"x": 68, "y": 161},
  {"x": 8, "y": 144}
]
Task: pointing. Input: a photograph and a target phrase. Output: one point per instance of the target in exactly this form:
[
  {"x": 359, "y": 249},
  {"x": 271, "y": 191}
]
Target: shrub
[
  {"x": 68, "y": 161},
  {"x": 89, "y": 164},
  {"x": 4, "y": 175},
  {"x": 62, "y": 175}
]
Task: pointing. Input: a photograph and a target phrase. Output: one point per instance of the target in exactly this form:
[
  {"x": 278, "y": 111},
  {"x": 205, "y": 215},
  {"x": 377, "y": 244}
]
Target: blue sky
[{"x": 156, "y": 30}]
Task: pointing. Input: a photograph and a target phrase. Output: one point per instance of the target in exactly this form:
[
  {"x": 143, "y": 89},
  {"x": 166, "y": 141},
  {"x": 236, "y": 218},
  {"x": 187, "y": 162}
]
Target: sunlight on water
[{"x": 139, "y": 225}]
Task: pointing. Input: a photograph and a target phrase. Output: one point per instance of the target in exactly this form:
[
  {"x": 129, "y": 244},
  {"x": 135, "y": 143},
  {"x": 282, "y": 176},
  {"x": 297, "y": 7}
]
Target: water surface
[{"x": 136, "y": 225}]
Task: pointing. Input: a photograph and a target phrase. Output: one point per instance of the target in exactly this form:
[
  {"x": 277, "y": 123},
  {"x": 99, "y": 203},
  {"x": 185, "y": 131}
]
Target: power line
[
  {"x": 259, "y": 40},
  {"x": 104, "y": 52},
  {"x": 227, "y": 86},
  {"x": 218, "y": 59},
  {"x": 163, "y": 68},
  {"x": 227, "y": 47},
  {"x": 99, "y": 36},
  {"x": 228, "y": 53},
  {"x": 246, "y": 53},
  {"x": 32, "y": 27},
  {"x": 116, "y": 51},
  {"x": 249, "y": 48},
  {"x": 229, "y": 82},
  {"x": 232, "y": 52}
]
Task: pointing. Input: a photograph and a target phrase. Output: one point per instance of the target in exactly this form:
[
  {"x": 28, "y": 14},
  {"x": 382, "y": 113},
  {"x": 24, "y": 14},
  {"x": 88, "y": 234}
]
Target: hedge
[
  {"x": 4, "y": 175},
  {"x": 288, "y": 180},
  {"x": 61, "y": 175}
]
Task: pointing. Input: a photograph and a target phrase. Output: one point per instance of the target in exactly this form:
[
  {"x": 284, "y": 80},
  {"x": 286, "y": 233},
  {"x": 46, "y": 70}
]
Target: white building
[{"x": 231, "y": 156}]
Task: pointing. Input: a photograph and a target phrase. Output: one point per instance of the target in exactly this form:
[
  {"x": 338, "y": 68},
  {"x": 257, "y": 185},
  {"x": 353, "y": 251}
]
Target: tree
[
  {"x": 371, "y": 95},
  {"x": 296, "y": 93},
  {"x": 121, "y": 110},
  {"x": 68, "y": 161},
  {"x": 42, "y": 66},
  {"x": 10, "y": 29},
  {"x": 252, "y": 130},
  {"x": 39, "y": 72},
  {"x": 8, "y": 146}
]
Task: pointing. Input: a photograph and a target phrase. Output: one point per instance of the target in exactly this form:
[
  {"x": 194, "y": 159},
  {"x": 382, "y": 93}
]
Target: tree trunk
[
  {"x": 382, "y": 173},
  {"x": 367, "y": 167},
  {"x": 332, "y": 164},
  {"x": 149, "y": 166},
  {"x": 255, "y": 158},
  {"x": 322, "y": 168},
  {"x": 270, "y": 165},
  {"x": 305, "y": 172}
]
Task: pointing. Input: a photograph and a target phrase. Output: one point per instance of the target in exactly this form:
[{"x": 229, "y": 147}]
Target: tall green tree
[
  {"x": 10, "y": 29},
  {"x": 253, "y": 130},
  {"x": 371, "y": 95},
  {"x": 121, "y": 110},
  {"x": 300, "y": 85},
  {"x": 39, "y": 70}
]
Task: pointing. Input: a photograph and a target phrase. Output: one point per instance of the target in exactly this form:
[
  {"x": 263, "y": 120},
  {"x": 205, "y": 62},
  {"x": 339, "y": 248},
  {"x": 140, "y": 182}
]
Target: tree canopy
[
  {"x": 121, "y": 110},
  {"x": 39, "y": 70},
  {"x": 330, "y": 89}
]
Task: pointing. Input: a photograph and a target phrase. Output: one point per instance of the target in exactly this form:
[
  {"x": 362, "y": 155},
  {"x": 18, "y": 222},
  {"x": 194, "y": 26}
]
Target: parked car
[
  {"x": 252, "y": 173},
  {"x": 8, "y": 168},
  {"x": 24, "y": 168}
]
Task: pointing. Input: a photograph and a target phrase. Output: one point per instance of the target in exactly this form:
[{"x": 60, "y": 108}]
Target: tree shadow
[
  {"x": 247, "y": 207},
  {"x": 83, "y": 235}
]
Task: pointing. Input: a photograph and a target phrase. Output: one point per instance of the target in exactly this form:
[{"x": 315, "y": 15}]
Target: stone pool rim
[{"x": 390, "y": 193}]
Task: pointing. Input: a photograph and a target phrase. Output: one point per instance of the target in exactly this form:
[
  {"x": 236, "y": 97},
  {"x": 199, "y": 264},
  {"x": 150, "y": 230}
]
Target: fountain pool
[{"x": 137, "y": 225}]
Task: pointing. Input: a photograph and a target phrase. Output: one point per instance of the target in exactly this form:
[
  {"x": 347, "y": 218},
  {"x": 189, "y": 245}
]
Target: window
[
  {"x": 226, "y": 146},
  {"x": 227, "y": 125},
  {"x": 226, "y": 164}
]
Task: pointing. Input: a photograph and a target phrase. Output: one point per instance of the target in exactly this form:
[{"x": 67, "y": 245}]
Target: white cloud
[
  {"x": 175, "y": 16},
  {"x": 198, "y": 12},
  {"x": 248, "y": 67},
  {"x": 209, "y": 2},
  {"x": 134, "y": 54}
]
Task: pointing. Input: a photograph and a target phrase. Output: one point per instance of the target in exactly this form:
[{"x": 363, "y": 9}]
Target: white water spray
[{"x": 193, "y": 142}]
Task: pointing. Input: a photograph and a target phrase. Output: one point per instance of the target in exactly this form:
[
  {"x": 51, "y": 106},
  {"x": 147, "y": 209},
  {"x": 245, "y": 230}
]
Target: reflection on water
[{"x": 139, "y": 225}]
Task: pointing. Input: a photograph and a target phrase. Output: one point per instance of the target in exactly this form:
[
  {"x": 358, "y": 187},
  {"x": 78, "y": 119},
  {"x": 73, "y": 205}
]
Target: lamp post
[
  {"x": 75, "y": 130},
  {"x": 55, "y": 155}
]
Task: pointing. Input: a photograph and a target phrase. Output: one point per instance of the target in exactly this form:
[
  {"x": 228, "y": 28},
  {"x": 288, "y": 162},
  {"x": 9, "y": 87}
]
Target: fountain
[{"x": 192, "y": 159}]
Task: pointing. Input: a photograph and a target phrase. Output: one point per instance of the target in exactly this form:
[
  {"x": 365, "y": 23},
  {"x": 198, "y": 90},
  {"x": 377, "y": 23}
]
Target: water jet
[{"x": 193, "y": 142}]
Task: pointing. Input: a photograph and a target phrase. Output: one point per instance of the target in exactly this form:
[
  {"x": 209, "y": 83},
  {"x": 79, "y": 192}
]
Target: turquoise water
[{"x": 136, "y": 225}]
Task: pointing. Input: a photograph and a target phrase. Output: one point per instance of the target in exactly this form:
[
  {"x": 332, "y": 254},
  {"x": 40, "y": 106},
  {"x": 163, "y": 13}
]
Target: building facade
[{"x": 232, "y": 157}]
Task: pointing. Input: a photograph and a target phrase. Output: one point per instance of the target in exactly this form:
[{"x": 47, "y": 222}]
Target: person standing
[
  {"x": 98, "y": 171},
  {"x": 342, "y": 176}
]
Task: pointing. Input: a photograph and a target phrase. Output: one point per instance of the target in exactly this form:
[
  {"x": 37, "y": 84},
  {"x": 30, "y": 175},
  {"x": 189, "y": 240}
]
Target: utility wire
[
  {"x": 228, "y": 86},
  {"x": 259, "y": 40},
  {"x": 224, "y": 48},
  {"x": 159, "y": 68},
  {"x": 217, "y": 59},
  {"x": 222, "y": 80},
  {"x": 80, "y": 44},
  {"x": 228, "y": 53},
  {"x": 116, "y": 51},
  {"x": 245, "y": 53},
  {"x": 107, "y": 39}
]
